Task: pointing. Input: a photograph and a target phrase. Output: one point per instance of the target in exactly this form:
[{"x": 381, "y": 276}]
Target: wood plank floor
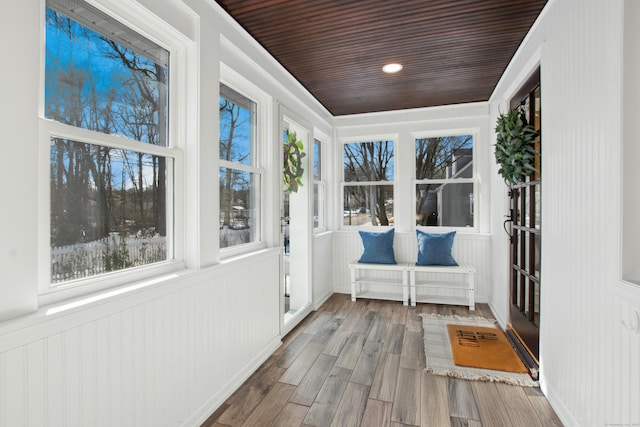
[{"x": 362, "y": 364}]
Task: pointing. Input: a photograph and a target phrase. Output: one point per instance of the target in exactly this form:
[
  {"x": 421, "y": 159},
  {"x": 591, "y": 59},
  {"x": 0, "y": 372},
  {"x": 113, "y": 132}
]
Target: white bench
[
  {"x": 466, "y": 289},
  {"x": 406, "y": 276},
  {"x": 400, "y": 278}
]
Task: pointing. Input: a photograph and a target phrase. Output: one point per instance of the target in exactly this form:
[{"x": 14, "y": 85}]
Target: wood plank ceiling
[{"x": 453, "y": 51}]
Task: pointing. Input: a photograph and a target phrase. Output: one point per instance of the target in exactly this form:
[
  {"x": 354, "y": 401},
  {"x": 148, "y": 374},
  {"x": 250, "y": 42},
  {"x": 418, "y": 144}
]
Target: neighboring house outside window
[
  {"x": 240, "y": 172},
  {"x": 445, "y": 182},
  {"x": 368, "y": 181},
  {"x": 111, "y": 162}
]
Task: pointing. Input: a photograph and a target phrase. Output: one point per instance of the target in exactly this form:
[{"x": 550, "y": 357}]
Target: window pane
[
  {"x": 238, "y": 202},
  {"x": 444, "y": 157},
  {"x": 317, "y": 160},
  {"x": 94, "y": 82},
  {"x": 237, "y": 127},
  {"x": 108, "y": 209},
  {"x": 368, "y": 205},
  {"x": 447, "y": 205},
  {"x": 315, "y": 205},
  {"x": 368, "y": 161}
]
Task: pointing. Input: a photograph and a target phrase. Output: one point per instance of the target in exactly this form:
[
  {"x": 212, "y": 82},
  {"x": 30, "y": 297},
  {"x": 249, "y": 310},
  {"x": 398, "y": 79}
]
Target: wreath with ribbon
[{"x": 292, "y": 166}]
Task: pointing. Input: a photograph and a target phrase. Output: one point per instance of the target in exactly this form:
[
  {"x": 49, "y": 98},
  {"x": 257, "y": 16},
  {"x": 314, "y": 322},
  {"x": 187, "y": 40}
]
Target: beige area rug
[{"x": 439, "y": 357}]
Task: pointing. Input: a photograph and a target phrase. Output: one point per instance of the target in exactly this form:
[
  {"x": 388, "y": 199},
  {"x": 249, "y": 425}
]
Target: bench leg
[
  {"x": 353, "y": 283},
  {"x": 405, "y": 287},
  {"x": 472, "y": 297},
  {"x": 412, "y": 286}
]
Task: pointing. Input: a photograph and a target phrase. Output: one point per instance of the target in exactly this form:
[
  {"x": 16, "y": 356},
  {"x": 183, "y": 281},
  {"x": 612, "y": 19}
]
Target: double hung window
[
  {"x": 240, "y": 172},
  {"x": 368, "y": 183},
  {"x": 445, "y": 181},
  {"x": 111, "y": 164}
]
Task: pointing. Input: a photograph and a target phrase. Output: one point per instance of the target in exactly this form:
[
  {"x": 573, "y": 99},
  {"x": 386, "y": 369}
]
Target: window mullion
[
  {"x": 60, "y": 130},
  {"x": 239, "y": 166}
]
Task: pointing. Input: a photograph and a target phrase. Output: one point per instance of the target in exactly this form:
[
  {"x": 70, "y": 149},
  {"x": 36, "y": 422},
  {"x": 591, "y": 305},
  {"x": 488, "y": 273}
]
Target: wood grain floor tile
[
  {"x": 249, "y": 395},
  {"x": 351, "y": 408},
  {"x": 435, "y": 400},
  {"x": 412, "y": 356},
  {"x": 407, "y": 399},
  {"x": 337, "y": 342},
  {"x": 293, "y": 349},
  {"x": 394, "y": 339},
  {"x": 309, "y": 387},
  {"x": 365, "y": 368},
  {"x": 462, "y": 403},
  {"x": 351, "y": 352},
  {"x": 377, "y": 413},
  {"x": 385, "y": 378},
  {"x": 379, "y": 329},
  {"x": 270, "y": 406},
  {"x": 292, "y": 415},
  {"x": 321, "y": 412},
  {"x": 520, "y": 411},
  {"x": 301, "y": 365},
  {"x": 487, "y": 398}
]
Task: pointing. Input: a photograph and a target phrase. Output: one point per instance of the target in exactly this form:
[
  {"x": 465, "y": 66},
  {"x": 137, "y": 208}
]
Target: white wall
[{"x": 590, "y": 333}]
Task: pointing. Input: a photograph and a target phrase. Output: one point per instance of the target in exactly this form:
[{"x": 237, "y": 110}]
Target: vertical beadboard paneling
[
  {"x": 322, "y": 271},
  {"x": 474, "y": 249},
  {"x": 169, "y": 360},
  {"x": 36, "y": 384},
  {"x": 581, "y": 70},
  {"x": 15, "y": 392}
]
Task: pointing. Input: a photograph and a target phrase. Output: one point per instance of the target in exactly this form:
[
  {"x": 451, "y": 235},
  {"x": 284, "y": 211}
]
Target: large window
[
  {"x": 240, "y": 174},
  {"x": 445, "y": 181},
  {"x": 368, "y": 183},
  {"x": 111, "y": 165}
]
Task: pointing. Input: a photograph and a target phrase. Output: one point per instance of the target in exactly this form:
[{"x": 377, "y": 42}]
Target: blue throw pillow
[
  {"x": 435, "y": 249},
  {"x": 378, "y": 247}
]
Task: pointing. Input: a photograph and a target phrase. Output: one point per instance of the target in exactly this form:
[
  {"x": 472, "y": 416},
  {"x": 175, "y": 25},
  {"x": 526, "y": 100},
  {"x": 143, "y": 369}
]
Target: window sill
[
  {"x": 125, "y": 296},
  {"x": 105, "y": 282}
]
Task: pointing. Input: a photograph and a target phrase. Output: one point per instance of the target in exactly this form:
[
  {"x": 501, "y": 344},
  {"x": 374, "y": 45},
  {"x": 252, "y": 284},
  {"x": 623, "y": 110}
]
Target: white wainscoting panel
[
  {"x": 322, "y": 268},
  {"x": 168, "y": 360}
]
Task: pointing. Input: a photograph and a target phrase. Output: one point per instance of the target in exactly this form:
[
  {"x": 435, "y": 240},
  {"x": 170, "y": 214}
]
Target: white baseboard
[
  {"x": 217, "y": 399},
  {"x": 558, "y": 405},
  {"x": 318, "y": 304}
]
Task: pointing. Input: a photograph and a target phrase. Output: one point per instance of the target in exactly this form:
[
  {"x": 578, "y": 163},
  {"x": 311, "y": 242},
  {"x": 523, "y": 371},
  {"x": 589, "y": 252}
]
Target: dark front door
[{"x": 526, "y": 235}]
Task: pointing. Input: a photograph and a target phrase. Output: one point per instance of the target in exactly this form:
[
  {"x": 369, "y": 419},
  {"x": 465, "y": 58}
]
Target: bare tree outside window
[
  {"x": 368, "y": 187},
  {"x": 108, "y": 204},
  {"x": 239, "y": 175},
  {"x": 444, "y": 181}
]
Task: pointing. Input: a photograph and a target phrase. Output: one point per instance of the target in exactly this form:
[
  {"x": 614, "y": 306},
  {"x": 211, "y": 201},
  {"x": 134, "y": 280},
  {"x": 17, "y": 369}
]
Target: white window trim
[
  {"x": 321, "y": 183},
  {"x": 147, "y": 25},
  {"x": 474, "y": 180},
  {"x": 264, "y": 107},
  {"x": 369, "y": 138}
]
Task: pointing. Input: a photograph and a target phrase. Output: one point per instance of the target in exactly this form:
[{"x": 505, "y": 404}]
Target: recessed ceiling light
[{"x": 392, "y": 68}]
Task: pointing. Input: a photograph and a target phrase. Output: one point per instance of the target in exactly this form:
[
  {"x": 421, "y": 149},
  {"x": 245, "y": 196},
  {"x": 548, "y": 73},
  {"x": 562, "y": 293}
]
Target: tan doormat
[
  {"x": 483, "y": 347},
  {"x": 439, "y": 357}
]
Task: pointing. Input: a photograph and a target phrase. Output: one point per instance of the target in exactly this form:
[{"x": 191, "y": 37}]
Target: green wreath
[
  {"x": 515, "y": 146},
  {"x": 292, "y": 166}
]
